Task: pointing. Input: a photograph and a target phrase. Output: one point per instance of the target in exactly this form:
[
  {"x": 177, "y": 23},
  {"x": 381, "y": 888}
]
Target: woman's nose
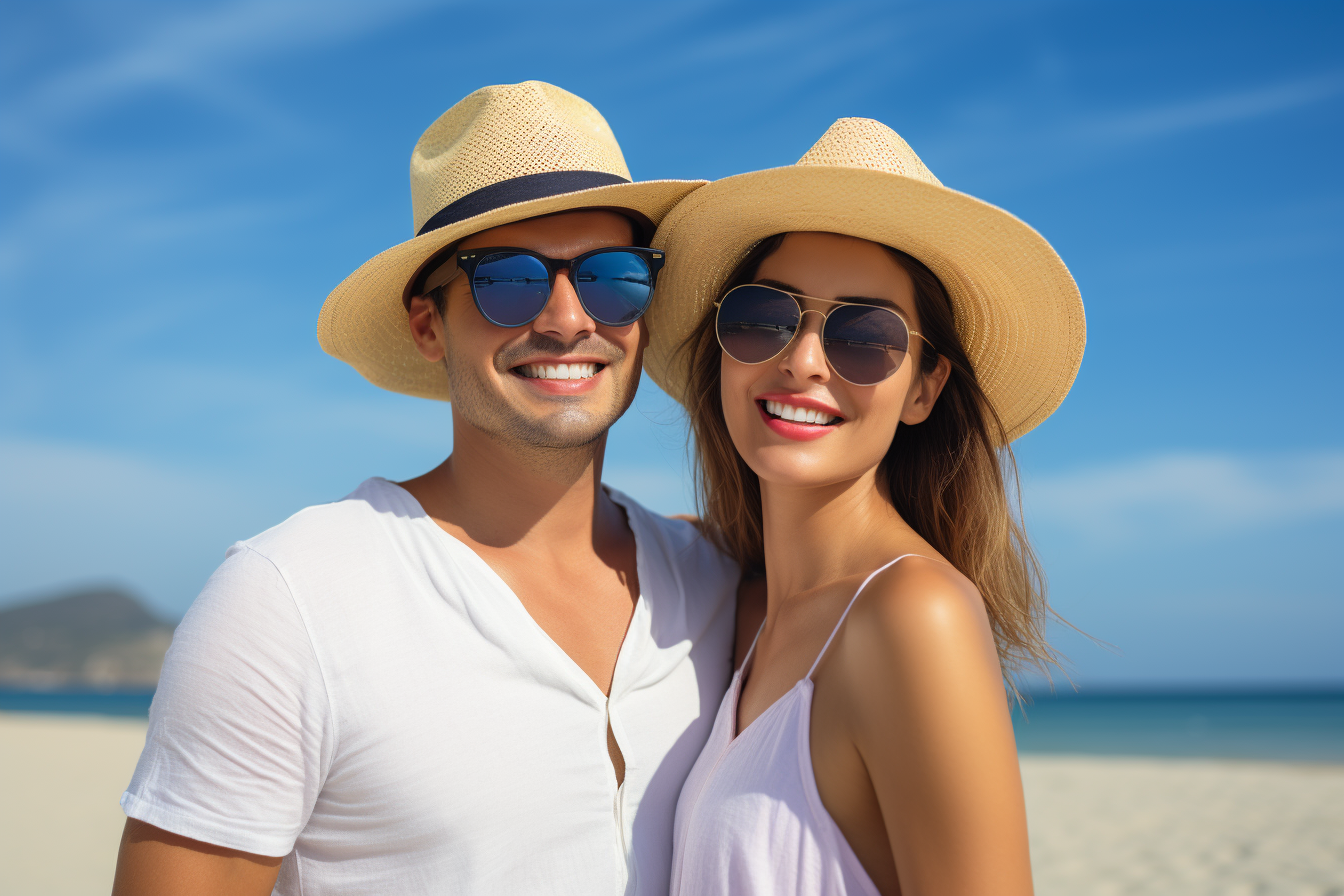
[{"x": 805, "y": 357}]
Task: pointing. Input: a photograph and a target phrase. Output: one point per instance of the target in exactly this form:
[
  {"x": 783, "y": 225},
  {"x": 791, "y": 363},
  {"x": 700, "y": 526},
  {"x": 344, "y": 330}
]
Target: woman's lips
[{"x": 789, "y": 429}]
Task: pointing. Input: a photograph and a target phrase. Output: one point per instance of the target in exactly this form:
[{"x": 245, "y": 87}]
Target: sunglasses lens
[
  {"x": 755, "y": 323},
  {"x": 511, "y": 289},
  {"x": 865, "y": 345},
  {"x": 615, "y": 287}
]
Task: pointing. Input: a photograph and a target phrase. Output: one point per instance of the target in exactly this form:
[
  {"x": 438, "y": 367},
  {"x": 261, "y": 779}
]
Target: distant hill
[{"x": 100, "y": 637}]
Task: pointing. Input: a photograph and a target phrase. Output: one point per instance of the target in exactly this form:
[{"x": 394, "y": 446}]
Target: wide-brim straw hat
[
  {"x": 502, "y": 154},
  {"x": 1015, "y": 305}
]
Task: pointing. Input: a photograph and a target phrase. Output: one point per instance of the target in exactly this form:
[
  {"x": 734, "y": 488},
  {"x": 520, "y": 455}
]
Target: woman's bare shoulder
[
  {"x": 922, "y": 592},
  {"x": 918, "y": 622}
]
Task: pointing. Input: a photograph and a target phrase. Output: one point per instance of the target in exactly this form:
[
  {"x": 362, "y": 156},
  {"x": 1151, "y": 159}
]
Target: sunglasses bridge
[
  {"x": 857, "y": 370},
  {"x": 835, "y": 303},
  {"x": 612, "y": 293}
]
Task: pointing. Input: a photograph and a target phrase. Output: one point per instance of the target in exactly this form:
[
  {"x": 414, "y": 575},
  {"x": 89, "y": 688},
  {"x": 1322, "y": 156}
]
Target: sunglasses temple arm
[{"x": 429, "y": 293}]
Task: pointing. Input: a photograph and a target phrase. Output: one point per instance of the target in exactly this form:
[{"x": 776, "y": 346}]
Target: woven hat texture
[
  {"x": 1017, "y": 309},
  {"x": 532, "y": 134}
]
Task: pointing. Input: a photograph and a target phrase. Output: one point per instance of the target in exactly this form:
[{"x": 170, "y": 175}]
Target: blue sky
[{"x": 184, "y": 183}]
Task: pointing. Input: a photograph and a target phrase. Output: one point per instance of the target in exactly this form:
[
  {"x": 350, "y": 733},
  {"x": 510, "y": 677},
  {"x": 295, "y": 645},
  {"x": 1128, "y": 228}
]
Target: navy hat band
[{"x": 515, "y": 190}]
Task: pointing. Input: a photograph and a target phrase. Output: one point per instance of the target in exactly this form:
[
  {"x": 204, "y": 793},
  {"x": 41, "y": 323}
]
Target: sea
[{"x": 1291, "y": 726}]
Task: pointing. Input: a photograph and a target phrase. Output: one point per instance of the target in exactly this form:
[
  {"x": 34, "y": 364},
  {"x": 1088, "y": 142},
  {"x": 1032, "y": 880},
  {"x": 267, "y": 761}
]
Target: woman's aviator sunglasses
[
  {"x": 864, "y": 344},
  {"x": 511, "y": 286}
]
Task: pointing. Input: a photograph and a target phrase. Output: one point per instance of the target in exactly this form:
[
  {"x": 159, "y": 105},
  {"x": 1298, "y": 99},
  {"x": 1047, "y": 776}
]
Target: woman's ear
[
  {"x": 427, "y": 328},
  {"x": 924, "y": 393}
]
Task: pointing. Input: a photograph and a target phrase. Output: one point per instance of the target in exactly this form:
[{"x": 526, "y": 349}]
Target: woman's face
[{"x": 825, "y": 266}]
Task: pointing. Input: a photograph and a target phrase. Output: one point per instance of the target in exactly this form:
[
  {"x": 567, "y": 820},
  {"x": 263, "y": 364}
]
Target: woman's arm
[{"x": 930, "y": 720}]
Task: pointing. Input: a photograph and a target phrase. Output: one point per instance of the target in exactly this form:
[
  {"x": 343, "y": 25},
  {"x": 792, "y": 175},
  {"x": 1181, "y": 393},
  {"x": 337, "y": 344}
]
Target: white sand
[
  {"x": 1174, "y": 827},
  {"x": 61, "y": 778},
  {"x": 1098, "y": 826}
]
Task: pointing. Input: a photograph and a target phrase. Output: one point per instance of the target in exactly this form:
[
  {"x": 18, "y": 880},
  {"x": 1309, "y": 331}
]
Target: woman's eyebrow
[
  {"x": 869, "y": 300},
  {"x": 861, "y": 300}
]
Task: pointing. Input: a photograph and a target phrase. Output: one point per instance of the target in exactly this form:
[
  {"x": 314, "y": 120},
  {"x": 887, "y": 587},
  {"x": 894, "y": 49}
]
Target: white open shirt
[{"x": 359, "y": 692}]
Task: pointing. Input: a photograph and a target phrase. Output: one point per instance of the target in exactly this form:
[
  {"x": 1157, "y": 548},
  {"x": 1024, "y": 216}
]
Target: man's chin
[
  {"x": 557, "y": 421},
  {"x": 534, "y": 413},
  {"x": 567, "y": 428}
]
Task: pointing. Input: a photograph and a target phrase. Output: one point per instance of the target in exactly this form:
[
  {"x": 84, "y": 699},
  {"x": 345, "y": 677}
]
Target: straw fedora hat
[
  {"x": 1016, "y": 307},
  {"x": 502, "y": 154}
]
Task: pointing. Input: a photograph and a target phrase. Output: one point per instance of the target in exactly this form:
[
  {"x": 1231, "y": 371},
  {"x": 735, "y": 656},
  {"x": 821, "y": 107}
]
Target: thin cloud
[
  {"x": 866, "y": 42},
  {"x": 112, "y": 219},
  {"x": 1188, "y": 497},
  {"x": 184, "y": 53},
  {"x": 1194, "y": 115},
  {"x": 138, "y": 521},
  {"x": 994, "y": 138}
]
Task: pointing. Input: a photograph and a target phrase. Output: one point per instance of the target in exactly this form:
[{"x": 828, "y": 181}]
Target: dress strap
[
  {"x": 817, "y": 662},
  {"x": 746, "y": 660}
]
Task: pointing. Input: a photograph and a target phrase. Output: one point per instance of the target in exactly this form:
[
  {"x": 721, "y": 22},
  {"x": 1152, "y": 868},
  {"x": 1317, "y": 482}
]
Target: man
[{"x": 492, "y": 678}]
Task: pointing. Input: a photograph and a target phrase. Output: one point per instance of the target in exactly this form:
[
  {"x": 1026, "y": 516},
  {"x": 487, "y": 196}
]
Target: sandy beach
[
  {"x": 62, "y": 777},
  {"x": 1104, "y": 826},
  {"x": 1174, "y": 827}
]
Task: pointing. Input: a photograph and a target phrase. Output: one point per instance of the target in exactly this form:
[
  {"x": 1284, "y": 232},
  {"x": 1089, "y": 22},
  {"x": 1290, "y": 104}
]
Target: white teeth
[
  {"x": 559, "y": 371},
  {"x": 796, "y": 414}
]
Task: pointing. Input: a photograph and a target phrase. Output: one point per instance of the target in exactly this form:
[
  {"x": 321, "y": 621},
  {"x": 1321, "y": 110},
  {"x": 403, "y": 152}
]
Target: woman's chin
[{"x": 788, "y": 467}]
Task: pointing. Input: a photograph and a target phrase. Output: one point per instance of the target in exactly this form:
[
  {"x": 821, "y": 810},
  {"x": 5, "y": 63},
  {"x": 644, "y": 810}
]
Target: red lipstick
[{"x": 791, "y": 429}]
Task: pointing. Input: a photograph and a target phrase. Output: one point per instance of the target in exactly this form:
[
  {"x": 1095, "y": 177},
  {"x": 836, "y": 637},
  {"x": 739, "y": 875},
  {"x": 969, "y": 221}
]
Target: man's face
[{"x": 498, "y": 375}]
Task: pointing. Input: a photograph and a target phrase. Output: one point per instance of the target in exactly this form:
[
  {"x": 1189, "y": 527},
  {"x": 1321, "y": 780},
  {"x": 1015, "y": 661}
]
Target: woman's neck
[{"x": 816, "y": 535}]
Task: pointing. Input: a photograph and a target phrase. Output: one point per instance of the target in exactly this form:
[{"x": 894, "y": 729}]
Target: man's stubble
[{"x": 575, "y": 424}]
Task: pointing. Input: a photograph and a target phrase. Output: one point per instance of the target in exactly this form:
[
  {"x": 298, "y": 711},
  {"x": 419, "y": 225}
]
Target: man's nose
[{"x": 564, "y": 317}]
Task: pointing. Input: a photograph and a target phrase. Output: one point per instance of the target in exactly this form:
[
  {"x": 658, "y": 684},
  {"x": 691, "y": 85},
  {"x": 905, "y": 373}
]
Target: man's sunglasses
[
  {"x": 511, "y": 286},
  {"x": 864, "y": 344}
]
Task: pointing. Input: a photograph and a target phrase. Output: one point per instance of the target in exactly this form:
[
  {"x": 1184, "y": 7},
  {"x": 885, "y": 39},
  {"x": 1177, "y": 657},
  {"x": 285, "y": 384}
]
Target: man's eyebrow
[{"x": 861, "y": 300}]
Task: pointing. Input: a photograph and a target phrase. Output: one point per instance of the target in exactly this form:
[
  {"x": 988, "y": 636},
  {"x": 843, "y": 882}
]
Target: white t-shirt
[{"x": 359, "y": 692}]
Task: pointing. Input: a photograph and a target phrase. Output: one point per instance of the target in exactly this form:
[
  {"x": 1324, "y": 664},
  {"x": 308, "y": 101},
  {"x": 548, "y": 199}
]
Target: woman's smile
[{"x": 798, "y": 417}]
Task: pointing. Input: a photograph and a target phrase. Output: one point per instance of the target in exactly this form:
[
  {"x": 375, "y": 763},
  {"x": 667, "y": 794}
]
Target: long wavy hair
[{"x": 952, "y": 478}]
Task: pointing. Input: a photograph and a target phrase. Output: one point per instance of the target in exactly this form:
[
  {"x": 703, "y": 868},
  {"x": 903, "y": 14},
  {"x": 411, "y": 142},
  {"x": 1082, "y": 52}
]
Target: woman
[{"x": 856, "y": 346}]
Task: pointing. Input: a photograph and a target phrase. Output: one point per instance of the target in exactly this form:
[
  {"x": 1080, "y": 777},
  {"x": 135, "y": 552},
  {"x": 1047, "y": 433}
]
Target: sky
[{"x": 183, "y": 184}]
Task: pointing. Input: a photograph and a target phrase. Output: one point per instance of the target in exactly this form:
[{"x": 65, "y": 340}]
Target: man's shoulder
[
  {"x": 325, "y": 532},
  {"x": 673, "y": 531},
  {"x": 679, "y": 541}
]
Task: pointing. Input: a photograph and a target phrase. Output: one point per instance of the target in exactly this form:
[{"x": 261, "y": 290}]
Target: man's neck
[
  {"x": 539, "y": 518},
  {"x": 501, "y": 494}
]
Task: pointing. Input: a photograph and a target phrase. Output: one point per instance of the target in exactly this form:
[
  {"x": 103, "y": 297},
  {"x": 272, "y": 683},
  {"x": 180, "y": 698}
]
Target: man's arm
[
  {"x": 233, "y": 756},
  {"x": 153, "y": 862}
]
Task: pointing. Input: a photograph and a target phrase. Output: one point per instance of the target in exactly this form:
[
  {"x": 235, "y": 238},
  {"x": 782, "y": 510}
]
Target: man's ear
[
  {"x": 924, "y": 393},
  {"x": 427, "y": 328}
]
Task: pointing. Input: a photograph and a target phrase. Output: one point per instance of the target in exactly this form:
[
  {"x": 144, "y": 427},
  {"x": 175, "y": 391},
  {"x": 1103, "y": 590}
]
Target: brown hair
[{"x": 947, "y": 477}]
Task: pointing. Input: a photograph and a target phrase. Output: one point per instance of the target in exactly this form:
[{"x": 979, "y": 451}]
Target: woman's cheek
[{"x": 733, "y": 392}]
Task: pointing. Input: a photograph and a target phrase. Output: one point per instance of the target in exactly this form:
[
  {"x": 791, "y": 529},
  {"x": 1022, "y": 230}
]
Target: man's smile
[
  {"x": 561, "y": 375},
  {"x": 581, "y": 370}
]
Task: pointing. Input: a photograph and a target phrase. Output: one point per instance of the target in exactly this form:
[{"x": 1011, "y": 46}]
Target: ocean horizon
[{"x": 1300, "y": 725}]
